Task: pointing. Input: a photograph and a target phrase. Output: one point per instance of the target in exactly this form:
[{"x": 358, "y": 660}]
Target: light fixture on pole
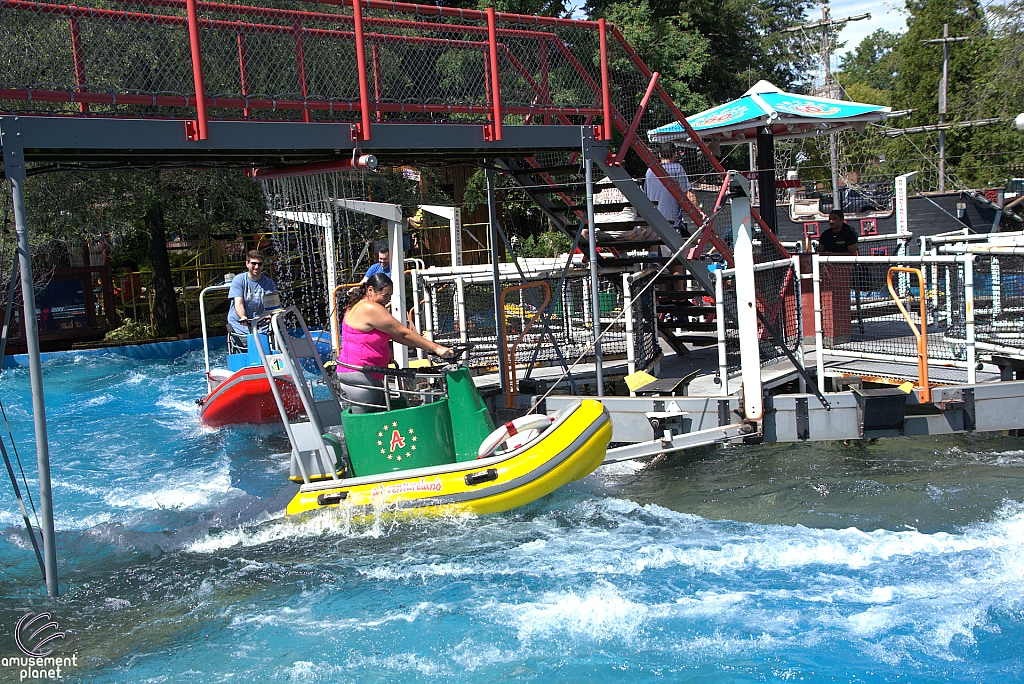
[{"x": 1019, "y": 122}]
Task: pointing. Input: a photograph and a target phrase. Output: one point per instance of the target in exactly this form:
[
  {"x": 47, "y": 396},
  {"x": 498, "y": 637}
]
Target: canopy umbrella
[
  {"x": 764, "y": 113},
  {"x": 764, "y": 105}
]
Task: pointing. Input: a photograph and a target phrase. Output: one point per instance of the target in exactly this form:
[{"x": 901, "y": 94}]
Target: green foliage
[
  {"x": 874, "y": 63},
  {"x": 713, "y": 52},
  {"x": 921, "y": 64},
  {"x": 68, "y": 207},
  {"x": 475, "y": 192},
  {"x": 986, "y": 80},
  {"x": 545, "y": 245},
  {"x": 669, "y": 45},
  {"x": 129, "y": 331}
]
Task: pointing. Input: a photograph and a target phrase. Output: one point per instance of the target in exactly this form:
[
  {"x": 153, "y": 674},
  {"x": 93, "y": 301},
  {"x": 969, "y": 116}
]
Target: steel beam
[
  {"x": 14, "y": 168},
  {"x": 237, "y": 143}
]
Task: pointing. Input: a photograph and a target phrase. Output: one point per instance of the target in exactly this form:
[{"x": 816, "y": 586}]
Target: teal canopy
[{"x": 789, "y": 115}]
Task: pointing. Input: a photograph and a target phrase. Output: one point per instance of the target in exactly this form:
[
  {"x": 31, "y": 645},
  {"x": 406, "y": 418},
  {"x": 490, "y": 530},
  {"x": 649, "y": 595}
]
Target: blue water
[{"x": 901, "y": 561}]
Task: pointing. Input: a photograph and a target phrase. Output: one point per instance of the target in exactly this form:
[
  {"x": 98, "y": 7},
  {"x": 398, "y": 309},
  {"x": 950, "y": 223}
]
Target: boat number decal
[
  {"x": 401, "y": 446},
  {"x": 277, "y": 365},
  {"x": 421, "y": 485}
]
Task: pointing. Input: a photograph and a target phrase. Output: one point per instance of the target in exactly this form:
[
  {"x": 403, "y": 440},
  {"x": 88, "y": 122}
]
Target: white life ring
[{"x": 521, "y": 424}]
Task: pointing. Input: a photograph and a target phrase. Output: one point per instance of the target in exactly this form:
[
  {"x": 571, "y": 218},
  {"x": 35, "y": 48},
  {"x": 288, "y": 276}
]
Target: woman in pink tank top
[{"x": 366, "y": 332}]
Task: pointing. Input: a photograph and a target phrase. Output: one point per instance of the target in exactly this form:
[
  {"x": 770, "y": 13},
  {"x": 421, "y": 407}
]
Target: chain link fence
[
  {"x": 777, "y": 287},
  {"x": 860, "y": 317},
  {"x": 459, "y": 307}
]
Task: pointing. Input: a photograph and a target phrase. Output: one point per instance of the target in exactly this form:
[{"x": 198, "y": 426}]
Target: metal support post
[
  {"x": 395, "y": 232},
  {"x": 460, "y": 308},
  {"x": 416, "y": 308},
  {"x": 746, "y": 302},
  {"x": 798, "y": 295},
  {"x": 627, "y": 306},
  {"x": 364, "y": 94},
  {"x": 833, "y": 155},
  {"x": 819, "y": 337},
  {"x": 492, "y": 222},
  {"x": 972, "y": 357},
  {"x": 723, "y": 365},
  {"x": 492, "y": 45},
  {"x": 197, "y": 68},
  {"x": 14, "y": 167},
  {"x": 595, "y": 288},
  {"x": 606, "y": 98}
]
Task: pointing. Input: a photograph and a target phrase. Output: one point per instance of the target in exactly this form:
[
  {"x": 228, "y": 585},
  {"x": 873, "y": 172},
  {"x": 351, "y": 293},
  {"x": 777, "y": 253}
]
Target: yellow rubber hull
[{"x": 570, "y": 449}]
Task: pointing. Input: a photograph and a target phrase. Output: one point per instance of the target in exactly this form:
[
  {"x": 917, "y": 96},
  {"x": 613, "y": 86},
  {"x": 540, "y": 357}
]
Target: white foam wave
[
  {"x": 179, "y": 490},
  {"x": 74, "y": 522},
  {"x": 621, "y": 468},
  {"x": 99, "y": 400},
  {"x": 280, "y": 527},
  {"x": 185, "y": 405},
  {"x": 602, "y": 612},
  {"x": 135, "y": 378}
]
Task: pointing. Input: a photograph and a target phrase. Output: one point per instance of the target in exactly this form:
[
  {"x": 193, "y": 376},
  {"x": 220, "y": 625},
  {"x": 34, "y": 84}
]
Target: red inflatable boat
[{"x": 245, "y": 397}]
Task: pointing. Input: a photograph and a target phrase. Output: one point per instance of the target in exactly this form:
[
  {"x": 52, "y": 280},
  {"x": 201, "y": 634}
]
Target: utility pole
[
  {"x": 830, "y": 27},
  {"x": 943, "y": 93}
]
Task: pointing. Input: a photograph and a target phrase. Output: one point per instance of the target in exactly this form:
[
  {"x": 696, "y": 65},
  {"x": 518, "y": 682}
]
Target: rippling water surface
[{"x": 896, "y": 561}]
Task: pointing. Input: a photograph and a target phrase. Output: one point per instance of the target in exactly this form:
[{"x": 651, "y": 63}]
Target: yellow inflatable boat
[
  {"x": 571, "y": 448},
  {"x": 424, "y": 443}
]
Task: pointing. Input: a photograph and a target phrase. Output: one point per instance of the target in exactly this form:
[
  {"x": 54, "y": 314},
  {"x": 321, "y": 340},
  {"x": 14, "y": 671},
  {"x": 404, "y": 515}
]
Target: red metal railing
[{"x": 477, "y": 65}]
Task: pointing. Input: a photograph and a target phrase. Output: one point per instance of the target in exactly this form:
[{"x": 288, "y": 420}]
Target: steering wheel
[{"x": 460, "y": 350}]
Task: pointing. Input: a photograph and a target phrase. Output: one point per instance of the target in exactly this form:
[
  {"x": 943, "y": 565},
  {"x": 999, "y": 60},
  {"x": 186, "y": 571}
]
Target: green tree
[
  {"x": 920, "y": 64},
  {"x": 141, "y": 206},
  {"x": 744, "y": 43},
  {"x": 873, "y": 63}
]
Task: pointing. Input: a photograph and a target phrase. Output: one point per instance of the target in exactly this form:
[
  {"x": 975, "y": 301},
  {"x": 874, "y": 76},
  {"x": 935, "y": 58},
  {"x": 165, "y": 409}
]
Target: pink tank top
[{"x": 360, "y": 348}]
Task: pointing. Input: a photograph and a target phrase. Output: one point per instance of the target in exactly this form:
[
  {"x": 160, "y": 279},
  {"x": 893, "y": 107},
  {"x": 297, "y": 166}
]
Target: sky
[{"x": 885, "y": 14}]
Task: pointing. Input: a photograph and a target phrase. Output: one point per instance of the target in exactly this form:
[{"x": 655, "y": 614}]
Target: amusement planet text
[{"x": 49, "y": 667}]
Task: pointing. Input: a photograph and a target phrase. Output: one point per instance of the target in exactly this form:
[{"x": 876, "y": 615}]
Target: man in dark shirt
[{"x": 839, "y": 239}]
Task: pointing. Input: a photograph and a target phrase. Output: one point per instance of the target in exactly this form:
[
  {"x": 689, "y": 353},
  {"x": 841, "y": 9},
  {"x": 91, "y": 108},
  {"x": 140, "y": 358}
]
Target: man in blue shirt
[
  {"x": 659, "y": 194},
  {"x": 383, "y": 264},
  {"x": 246, "y": 293}
]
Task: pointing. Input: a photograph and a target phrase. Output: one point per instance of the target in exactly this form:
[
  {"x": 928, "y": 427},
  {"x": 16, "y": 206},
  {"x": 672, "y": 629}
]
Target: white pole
[
  {"x": 331, "y": 257},
  {"x": 972, "y": 359},
  {"x": 455, "y": 226},
  {"x": 460, "y": 300},
  {"x": 798, "y": 295},
  {"x": 627, "y": 304},
  {"x": 746, "y": 306},
  {"x": 395, "y": 230},
  {"x": 416, "y": 308},
  {"x": 428, "y": 311},
  {"x": 723, "y": 364},
  {"x": 588, "y": 167},
  {"x": 819, "y": 337}
]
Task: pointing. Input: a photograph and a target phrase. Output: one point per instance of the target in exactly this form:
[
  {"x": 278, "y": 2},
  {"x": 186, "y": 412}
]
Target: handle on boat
[{"x": 461, "y": 349}]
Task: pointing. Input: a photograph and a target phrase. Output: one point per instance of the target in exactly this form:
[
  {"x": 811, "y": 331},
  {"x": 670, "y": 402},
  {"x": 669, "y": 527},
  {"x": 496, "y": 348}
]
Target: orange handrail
[
  {"x": 921, "y": 334},
  {"x": 512, "y": 390}
]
